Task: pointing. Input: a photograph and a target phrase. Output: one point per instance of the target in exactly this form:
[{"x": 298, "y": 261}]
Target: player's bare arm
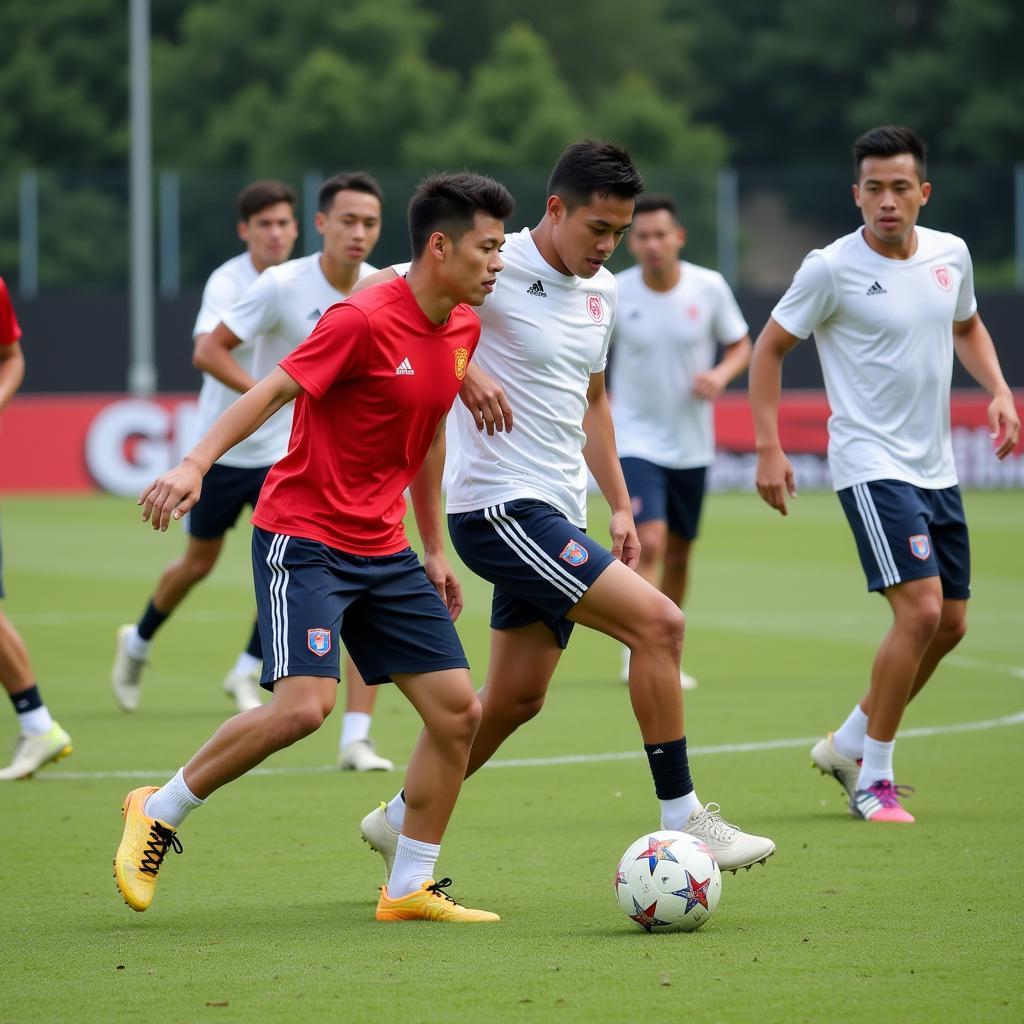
[
  {"x": 602, "y": 460},
  {"x": 425, "y": 491},
  {"x": 775, "y": 478},
  {"x": 485, "y": 398},
  {"x": 211, "y": 353},
  {"x": 12, "y": 371},
  {"x": 735, "y": 359},
  {"x": 174, "y": 493},
  {"x": 379, "y": 277},
  {"x": 974, "y": 348}
]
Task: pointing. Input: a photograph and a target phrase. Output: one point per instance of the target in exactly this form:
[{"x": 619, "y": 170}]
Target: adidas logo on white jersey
[
  {"x": 315, "y": 315},
  {"x": 537, "y": 288},
  {"x": 876, "y": 289},
  {"x": 404, "y": 368}
]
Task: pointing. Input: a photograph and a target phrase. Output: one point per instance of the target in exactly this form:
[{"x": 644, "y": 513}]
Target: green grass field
[{"x": 268, "y": 914}]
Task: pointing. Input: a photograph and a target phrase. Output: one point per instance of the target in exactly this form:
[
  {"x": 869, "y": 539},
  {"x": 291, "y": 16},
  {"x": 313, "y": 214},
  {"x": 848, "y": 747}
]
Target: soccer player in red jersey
[
  {"x": 40, "y": 740},
  {"x": 372, "y": 385}
]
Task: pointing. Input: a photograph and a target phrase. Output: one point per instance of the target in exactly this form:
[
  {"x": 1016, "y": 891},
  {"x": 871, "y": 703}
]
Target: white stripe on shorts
[
  {"x": 279, "y": 604},
  {"x": 532, "y": 554},
  {"x": 876, "y": 535}
]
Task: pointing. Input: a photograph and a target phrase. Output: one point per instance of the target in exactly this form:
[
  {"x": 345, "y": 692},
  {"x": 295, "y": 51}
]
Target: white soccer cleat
[
  {"x": 380, "y": 836},
  {"x": 360, "y": 756},
  {"x": 732, "y": 848},
  {"x": 244, "y": 687},
  {"x": 686, "y": 681},
  {"x": 32, "y": 752},
  {"x": 829, "y": 761},
  {"x": 126, "y": 675}
]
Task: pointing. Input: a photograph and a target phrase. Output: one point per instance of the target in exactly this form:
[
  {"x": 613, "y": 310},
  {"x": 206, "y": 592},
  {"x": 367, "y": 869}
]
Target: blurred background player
[
  {"x": 40, "y": 739},
  {"x": 331, "y": 558},
  {"x": 671, "y": 317},
  {"x": 517, "y": 498},
  {"x": 274, "y": 314},
  {"x": 888, "y": 304},
  {"x": 267, "y": 226}
]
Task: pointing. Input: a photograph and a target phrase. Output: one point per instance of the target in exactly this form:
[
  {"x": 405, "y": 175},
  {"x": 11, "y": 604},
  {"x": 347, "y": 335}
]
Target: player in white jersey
[
  {"x": 517, "y": 498},
  {"x": 889, "y": 305},
  {"x": 267, "y": 226},
  {"x": 672, "y": 316},
  {"x": 277, "y": 312}
]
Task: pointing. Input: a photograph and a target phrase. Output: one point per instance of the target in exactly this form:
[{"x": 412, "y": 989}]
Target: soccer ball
[{"x": 668, "y": 882}]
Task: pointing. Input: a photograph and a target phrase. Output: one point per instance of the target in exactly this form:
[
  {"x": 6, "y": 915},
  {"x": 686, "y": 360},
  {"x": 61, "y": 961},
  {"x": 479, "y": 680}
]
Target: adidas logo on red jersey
[{"x": 404, "y": 368}]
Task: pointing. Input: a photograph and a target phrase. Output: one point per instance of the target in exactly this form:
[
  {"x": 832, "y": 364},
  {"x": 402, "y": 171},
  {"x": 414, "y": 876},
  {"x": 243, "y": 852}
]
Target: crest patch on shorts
[
  {"x": 574, "y": 553},
  {"x": 319, "y": 641},
  {"x": 920, "y": 546}
]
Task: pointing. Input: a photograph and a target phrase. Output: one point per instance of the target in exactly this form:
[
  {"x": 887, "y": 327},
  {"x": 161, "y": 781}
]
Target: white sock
[
  {"x": 172, "y": 802},
  {"x": 675, "y": 813},
  {"x": 877, "y": 763},
  {"x": 414, "y": 865},
  {"x": 395, "y": 812},
  {"x": 136, "y": 646},
  {"x": 247, "y": 665},
  {"x": 355, "y": 725},
  {"x": 848, "y": 739},
  {"x": 36, "y": 722}
]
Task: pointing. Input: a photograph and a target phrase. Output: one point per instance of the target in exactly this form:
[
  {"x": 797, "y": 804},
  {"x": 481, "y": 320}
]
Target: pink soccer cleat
[{"x": 881, "y": 802}]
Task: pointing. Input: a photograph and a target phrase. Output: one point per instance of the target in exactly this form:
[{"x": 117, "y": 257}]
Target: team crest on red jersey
[
  {"x": 595, "y": 307},
  {"x": 461, "y": 362},
  {"x": 575, "y": 554},
  {"x": 943, "y": 278},
  {"x": 319, "y": 641},
  {"x": 920, "y": 546}
]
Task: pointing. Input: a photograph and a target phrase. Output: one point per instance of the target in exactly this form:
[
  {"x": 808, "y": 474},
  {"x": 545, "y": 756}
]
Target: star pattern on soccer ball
[
  {"x": 657, "y": 849},
  {"x": 646, "y": 918},
  {"x": 620, "y": 878},
  {"x": 694, "y": 893}
]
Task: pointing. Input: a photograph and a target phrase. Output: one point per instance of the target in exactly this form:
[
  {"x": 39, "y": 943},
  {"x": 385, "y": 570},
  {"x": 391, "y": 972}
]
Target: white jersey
[
  {"x": 884, "y": 332},
  {"x": 276, "y": 313},
  {"x": 662, "y": 340},
  {"x": 223, "y": 289},
  {"x": 543, "y": 335}
]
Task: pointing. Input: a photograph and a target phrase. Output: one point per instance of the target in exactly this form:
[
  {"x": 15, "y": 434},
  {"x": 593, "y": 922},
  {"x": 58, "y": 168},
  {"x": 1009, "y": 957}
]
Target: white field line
[{"x": 624, "y": 755}]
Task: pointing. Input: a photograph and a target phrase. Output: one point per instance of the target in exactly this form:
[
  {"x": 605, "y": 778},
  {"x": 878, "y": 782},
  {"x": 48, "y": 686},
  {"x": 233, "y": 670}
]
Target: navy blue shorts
[
  {"x": 674, "y": 495},
  {"x": 906, "y": 533},
  {"x": 226, "y": 491},
  {"x": 540, "y": 564},
  {"x": 310, "y": 597}
]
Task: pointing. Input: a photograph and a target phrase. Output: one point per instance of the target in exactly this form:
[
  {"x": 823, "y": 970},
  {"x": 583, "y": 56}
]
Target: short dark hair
[
  {"x": 259, "y": 195},
  {"x": 357, "y": 181},
  {"x": 449, "y": 202},
  {"x": 651, "y": 202},
  {"x": 890, "y": 140},
  {"x": 590, "y": 167}
]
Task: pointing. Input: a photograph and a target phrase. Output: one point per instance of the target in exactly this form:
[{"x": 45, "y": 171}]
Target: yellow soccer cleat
[
  {"x": 429, "y": 903},
  {"x": 144, "y": 845}
]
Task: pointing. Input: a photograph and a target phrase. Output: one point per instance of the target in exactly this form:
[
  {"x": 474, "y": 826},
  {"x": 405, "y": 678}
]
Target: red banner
[{"x": 119, "y": 444}]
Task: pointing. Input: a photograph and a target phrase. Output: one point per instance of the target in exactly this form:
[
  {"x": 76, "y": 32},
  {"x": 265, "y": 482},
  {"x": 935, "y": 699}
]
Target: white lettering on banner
[{"x": 133, "y": 441}]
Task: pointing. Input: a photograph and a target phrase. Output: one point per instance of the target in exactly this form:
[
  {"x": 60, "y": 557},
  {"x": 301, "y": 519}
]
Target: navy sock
[
  {"x": 255, "y": 647},
  {"x": 26, "y": 700},
  {"x": 670, "y": 768},
  {"x": 152, "y": 619}
]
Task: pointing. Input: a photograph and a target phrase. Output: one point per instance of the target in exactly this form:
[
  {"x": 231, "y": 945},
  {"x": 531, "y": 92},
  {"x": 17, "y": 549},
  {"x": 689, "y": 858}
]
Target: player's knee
[
  {"x": 953, "y": 631},
  {"x": 662, "y": 628},
  {"x": 300, "y": 719},
  {"x": 923, "y": 618},
  {"x": 198, "y": 567},
  {"x": 463, "y": 721},
  {"x": 527, "y": 708}
]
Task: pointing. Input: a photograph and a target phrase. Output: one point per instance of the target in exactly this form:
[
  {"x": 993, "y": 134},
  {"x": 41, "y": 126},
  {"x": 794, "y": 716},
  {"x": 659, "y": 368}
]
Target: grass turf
[{"x": 268, "y": 915}]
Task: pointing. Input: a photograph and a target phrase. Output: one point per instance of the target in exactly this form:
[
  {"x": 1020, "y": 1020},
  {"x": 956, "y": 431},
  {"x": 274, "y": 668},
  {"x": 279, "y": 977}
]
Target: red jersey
[
  {"x": 10, "y": 331},
  {"x": 377, "y": 377}
]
